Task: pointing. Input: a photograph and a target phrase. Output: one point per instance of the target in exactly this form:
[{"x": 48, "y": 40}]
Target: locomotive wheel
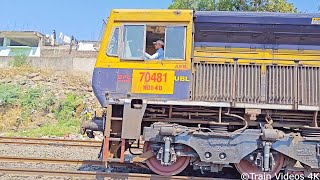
[
  {"x": 247, "y": 167},
  {"x": 155, "y": 165}
]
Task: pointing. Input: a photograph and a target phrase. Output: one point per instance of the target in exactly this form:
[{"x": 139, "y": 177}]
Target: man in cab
[{"x": 158, "y": 45}]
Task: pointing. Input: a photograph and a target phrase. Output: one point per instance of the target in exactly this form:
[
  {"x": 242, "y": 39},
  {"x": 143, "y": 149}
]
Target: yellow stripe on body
[{"x": 258, "y": 56}]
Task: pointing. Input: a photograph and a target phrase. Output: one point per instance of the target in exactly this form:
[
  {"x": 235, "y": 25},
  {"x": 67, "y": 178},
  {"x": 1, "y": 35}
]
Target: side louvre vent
[
  {"x": 247, "y": 84},
  {"x": 280, "y": 84},
  {"x": 226, "y": 82},
  {"x": 309, "y": 82}
]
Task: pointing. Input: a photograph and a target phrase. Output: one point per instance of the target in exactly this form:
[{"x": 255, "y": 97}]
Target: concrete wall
[
  {"x": 57, "y": 63},
  {"x": 59, "y": 58},
  {"x": 64, "y": 51}
]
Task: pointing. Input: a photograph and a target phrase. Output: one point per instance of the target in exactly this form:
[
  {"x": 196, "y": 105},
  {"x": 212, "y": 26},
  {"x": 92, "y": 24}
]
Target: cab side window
[
  {"x": 133, "y": 39},
  {"x": 113, "y": 46},
  {"x": 153, "y": 42},
  {"x": 175, "y": 43}
]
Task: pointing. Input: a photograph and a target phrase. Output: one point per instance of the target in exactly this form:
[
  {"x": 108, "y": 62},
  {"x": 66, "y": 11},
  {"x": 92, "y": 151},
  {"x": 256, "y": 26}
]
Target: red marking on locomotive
[{"x": 124, "y": 78}]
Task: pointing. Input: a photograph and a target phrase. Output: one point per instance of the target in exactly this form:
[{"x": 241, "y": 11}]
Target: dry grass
[
  {"x": 71, "y": 78},
  {"x": 9, "y": 118},
  {"x": 11, "y": 72},
  {"x": 24, "y": 108}
]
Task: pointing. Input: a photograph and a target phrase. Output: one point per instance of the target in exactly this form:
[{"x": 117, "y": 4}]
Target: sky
[{"x": 82, "y": 18}]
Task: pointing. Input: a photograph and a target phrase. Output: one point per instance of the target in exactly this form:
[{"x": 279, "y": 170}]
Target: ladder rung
[{"x": 114, "y": 139}]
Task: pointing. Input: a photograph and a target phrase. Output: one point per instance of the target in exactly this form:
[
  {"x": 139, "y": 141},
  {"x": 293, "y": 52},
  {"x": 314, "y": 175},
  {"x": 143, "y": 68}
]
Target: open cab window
[
  {"x": 138, "y": 40},
  {"x": 153, "y": 34}
]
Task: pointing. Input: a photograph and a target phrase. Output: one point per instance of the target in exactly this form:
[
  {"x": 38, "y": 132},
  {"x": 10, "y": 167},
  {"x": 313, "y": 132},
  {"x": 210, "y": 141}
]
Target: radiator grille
[
  {"x": 280, "y": 84},
  {"x": 213, "y": 82},
  {"x": 226, "y": 82},
  {"x": 309, "y": 81},
  {"x": 247, "y": 84}
]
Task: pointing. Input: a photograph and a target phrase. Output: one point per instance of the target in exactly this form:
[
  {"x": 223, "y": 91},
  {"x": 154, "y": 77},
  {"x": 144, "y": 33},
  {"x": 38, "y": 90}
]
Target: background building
[{"x": 13, "y": 43}]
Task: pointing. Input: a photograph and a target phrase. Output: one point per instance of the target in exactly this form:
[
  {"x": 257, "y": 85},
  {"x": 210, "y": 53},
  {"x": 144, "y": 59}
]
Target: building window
[
  {"x": 175, "y": 43},
  {"x": 113, "y": 45},
  {"x": 1, "y": 41},
  {"x": 28, "y": 42},
  {"x": 133, "y": 38}
]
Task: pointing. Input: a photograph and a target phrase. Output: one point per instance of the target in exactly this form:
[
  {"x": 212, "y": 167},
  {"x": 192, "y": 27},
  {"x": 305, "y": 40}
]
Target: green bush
[
  {"x": 68, "y": 120},
  {"x": 19, "y": 61},
  {"x": 35, "y": 104},
  {"x": 9, "y": 94},
  {"x": 67, "y": 109},
  {"x": 61, "y": 128},
  {"x": 47, "y": 102},
  {"x": 36, "y": 99},
  {"x": 30, "y": 102}
]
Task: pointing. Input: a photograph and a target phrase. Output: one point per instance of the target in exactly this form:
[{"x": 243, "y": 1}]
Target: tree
[{"x": 234, "y": 5}]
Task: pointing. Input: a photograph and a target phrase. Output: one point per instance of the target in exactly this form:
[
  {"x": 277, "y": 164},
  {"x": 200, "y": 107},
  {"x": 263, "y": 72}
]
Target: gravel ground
[
  {"x": 58, "y": 167},
  {"x": 69, "y": 153},
  {"x": 49, "y": 152},
  {"x": 57, "y": 152}
]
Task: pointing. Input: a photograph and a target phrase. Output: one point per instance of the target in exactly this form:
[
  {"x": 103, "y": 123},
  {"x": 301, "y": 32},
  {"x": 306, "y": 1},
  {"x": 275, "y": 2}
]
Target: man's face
[{"x": 157, "y": 46}]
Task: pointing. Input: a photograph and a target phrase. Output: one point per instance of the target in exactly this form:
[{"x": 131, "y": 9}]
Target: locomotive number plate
[
  {"x": 152, "y": 81},
  {"x": 315, "y": 21}
]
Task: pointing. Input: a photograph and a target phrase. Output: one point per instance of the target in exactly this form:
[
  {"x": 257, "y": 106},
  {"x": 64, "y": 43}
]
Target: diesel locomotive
[{"x": 238, "y": 89}]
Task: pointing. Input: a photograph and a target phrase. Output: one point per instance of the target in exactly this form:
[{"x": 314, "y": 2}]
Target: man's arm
[{"x": 154, "y": 56}]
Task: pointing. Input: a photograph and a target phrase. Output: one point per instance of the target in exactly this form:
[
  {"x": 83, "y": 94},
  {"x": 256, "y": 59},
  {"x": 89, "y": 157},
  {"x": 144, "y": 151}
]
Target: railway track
[
  {"x": 66, "y": 173},
  {"x": 80, "y": 174},
  {"x": 94, "y": 175},
  {"x": 50, "y": 161},
  {"x": 49, "y": 142}
]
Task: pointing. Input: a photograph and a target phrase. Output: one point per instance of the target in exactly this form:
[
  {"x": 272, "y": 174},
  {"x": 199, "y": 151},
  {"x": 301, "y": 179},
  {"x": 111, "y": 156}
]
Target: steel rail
[
  {"x": 50, "y": 161},
  {"x": 54, "y": 142},
  {"x": 83, "y": 174},
  {"x": 49, "y": 141},
  {"x": 94, "y": 175}
]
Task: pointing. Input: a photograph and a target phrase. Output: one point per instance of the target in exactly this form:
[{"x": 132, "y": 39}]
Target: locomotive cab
[{"x": 129, "y": 35}]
